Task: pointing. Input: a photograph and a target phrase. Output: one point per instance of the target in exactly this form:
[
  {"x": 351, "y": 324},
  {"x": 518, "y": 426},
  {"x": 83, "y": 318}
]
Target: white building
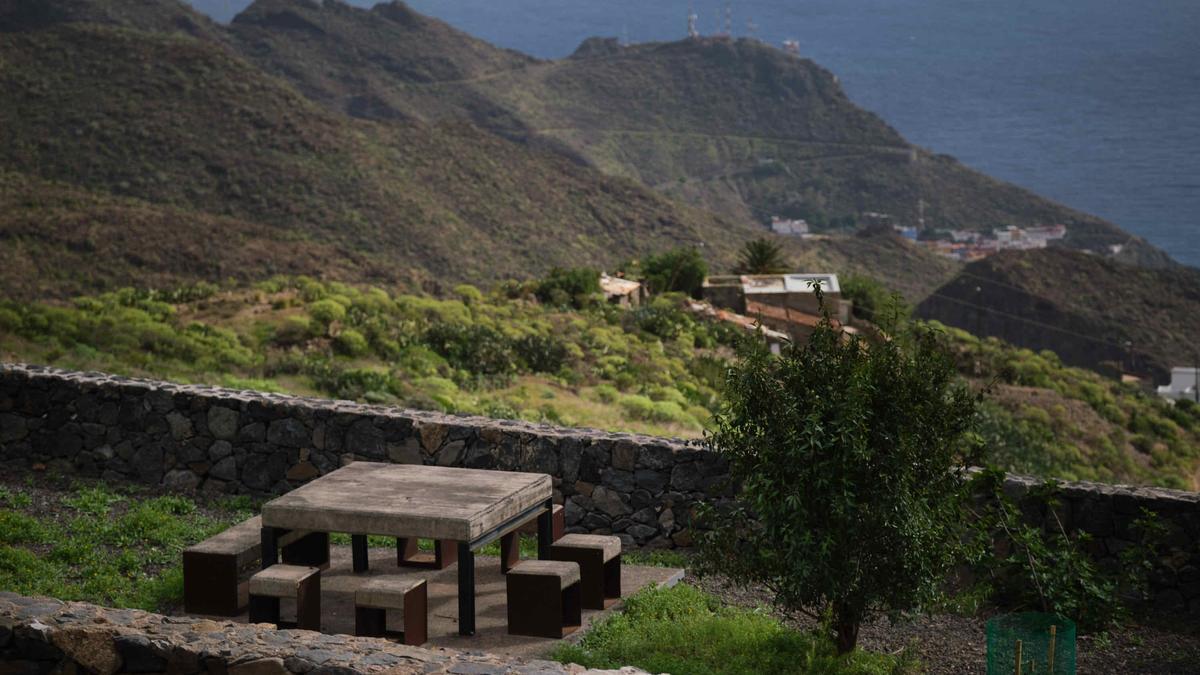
[
  {"x": 1183, "y": 384},
  {"x": 798, "y": 227}
]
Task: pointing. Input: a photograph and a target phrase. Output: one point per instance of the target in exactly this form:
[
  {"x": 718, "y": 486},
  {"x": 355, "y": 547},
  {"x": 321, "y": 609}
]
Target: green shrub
[
  {"x": 468, "y": 294},
  {"x": 1052, "y": 569},
  {"x": 637, "y": 406},
  {"x": 573, "y": 286},
  {"x": 873, "y": 301},
  {"x": 350, "y": 342},
  {"x": 541, "y": 354},
  {"x": 326, "y": 312},
  {"x": 475, "y": 349},
  {"x": 682, "y": 270},
  {"x": 293, "y": 330},
  {"x": 661, "y": 318}
]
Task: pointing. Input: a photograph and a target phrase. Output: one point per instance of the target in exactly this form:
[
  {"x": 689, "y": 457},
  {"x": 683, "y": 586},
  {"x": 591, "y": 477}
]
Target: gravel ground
[{"x": 953, "y": 644}]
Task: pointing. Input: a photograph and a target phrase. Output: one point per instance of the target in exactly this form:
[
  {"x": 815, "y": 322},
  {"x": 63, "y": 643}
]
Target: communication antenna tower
[
  {"x": 752, "y": 29},
  {"x": 692, "y": 18},
  {"x": 728, "y": 19}
]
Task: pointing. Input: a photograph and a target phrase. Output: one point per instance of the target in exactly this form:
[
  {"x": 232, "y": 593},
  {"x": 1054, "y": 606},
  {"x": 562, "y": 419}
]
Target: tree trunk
[
  {"x": 847, "y": 635},
  {"x": 846, "y": 620}
]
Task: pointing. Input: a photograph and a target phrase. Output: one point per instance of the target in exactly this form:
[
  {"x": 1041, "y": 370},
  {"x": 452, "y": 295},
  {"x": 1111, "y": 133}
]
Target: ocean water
[{"x": 1093, "y": 103}]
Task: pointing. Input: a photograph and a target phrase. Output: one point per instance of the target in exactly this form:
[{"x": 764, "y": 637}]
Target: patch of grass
[
  {"x": 106, "y": 548},
  {"x": 17, "y": 500},
  {"x": 684, "y": 630}
]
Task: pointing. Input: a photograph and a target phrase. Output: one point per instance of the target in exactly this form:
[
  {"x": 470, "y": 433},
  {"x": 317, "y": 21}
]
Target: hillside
[
  {"x": 100, "y": 121},
  {"x": 735, "y": 126},
  {"x": 1092, "y": 312},
  {"x": 503, "y": 354}
]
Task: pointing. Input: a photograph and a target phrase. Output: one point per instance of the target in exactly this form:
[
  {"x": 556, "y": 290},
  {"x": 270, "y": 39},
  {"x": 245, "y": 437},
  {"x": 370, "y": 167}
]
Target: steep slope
[
  {"x": 148, "y": 15},
  {"x": 735, "y": 126},
  {"x": 185, "y": 127},
  {"x": 350, "y": 59},
  {"x": 1092, "y": 312}
]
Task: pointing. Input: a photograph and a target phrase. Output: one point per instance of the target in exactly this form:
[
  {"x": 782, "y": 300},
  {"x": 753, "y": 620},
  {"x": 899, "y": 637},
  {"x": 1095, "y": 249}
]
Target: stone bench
[
  {"x": 599, "y": 559},
  {"x": 286, "y": 582},
  {"x": 215, "y": 570},
  {"x": 543, "y": 598},
  {"x": 378, "y": 595}
]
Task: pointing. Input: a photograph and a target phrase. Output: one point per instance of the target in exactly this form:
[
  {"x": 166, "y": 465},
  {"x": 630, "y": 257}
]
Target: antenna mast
[
  {"x": 692, "y": 18},
  {"x": 728, "y": 19}
]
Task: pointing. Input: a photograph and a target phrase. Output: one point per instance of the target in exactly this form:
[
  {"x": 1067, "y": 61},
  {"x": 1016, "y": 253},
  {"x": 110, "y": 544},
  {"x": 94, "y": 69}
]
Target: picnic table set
[{"x": 461, "y": 510}]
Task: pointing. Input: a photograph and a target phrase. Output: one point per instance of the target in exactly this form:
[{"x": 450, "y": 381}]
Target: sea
[{"x": 1092, "y": 103}]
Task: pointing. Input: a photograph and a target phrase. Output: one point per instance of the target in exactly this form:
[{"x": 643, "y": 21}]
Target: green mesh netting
[{"x": 1032, "y": 630}]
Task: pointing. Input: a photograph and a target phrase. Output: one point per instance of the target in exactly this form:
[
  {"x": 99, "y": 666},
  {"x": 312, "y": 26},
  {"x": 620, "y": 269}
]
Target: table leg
[
  {"x": 466, "y": 589},
  {"x": 270, "y": 546},
  {"x": 358, "y": 551},
  {"x": 546, "y": 530}
]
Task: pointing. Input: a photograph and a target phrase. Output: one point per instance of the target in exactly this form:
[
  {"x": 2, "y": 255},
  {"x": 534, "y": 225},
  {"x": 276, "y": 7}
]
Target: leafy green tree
[
  {"x": 875, "y": 302},
  {"x": 565, "y": 287},
  {"x": 848, "y": 459},
  {"x": 761, "y": 256},
  {"x": 680, "y": 269}
]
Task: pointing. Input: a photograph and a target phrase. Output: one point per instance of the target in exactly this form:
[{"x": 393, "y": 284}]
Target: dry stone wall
[
  {"x": 641, "y": 488},
  {"x": 194, "y": 437},
  {"x": 43, "y": 635}
]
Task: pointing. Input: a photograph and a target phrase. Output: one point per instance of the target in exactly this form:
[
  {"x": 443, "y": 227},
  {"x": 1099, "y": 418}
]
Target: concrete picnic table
[{"x": 472, "y": 507}]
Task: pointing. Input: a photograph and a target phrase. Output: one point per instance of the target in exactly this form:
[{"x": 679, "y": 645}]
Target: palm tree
[{"x": 761, "y": 256}]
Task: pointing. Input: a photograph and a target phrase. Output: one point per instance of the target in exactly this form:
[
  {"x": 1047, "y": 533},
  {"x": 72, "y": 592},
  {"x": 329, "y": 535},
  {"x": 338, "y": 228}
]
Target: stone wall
[
  {"x": 194, "y": 437},
  {"x": 42, "y": 635},
  {"x": 641, "y": 488}
]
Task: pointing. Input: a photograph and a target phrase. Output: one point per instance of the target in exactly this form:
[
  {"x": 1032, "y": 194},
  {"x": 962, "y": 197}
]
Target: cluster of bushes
[
  {"x": 546, "y": 350},
  {"x": 1048, "y": 440},
  {"x": 128, "y": 330}
]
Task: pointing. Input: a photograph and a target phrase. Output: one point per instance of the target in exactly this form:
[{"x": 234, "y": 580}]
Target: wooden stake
[
  {"x": 1018, "y": 657},
  {"x": 1050, "y": 664}
]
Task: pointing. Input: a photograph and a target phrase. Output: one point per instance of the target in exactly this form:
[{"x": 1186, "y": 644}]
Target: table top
[{"x": 409, "y": 500}]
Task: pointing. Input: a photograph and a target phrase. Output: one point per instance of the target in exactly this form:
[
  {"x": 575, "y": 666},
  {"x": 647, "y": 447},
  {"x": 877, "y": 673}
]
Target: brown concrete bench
[
  {"x": 543, "y": 598},
  {"x": 445, "y": 554},
  {"x": 215, "y": 570},
  {"x": 599, "y": 558},
  {"x": 510, "y": 544},
  {"x": 293, "y": 582},
  {"x": 373, "y": 599}
]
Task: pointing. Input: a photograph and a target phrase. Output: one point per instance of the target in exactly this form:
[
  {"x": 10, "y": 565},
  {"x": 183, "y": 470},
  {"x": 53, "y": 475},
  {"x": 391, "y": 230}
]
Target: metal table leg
[
  {"x": 546, "y": 530},
  {"x": 466, "y": 589},
  {"x": 358, "y": 551},
  {"x": 270, "y": 546}
]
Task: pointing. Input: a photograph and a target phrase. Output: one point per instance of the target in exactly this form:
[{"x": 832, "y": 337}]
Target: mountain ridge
[{"x": 734, "y": 126}]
